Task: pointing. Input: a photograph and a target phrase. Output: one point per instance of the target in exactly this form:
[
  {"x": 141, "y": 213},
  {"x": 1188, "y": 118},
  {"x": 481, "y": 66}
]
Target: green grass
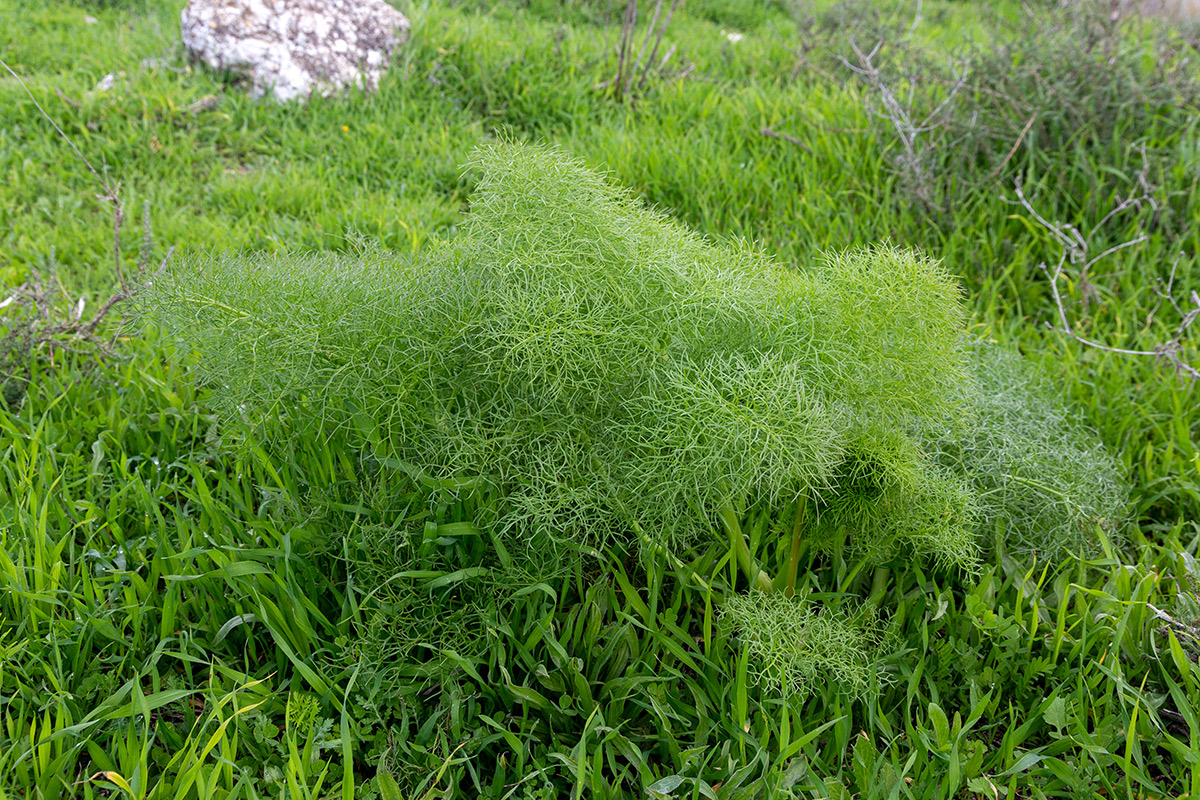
[{"x": 173, "y": 623}]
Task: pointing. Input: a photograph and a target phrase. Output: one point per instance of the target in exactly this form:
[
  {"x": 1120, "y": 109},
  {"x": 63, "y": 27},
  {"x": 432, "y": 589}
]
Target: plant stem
[
  {"x": 737, "y": 540},
  {"x": 879, "y": 586},
  {"x": 793, "y": 566},
  {"x": 661, "y": 549}
]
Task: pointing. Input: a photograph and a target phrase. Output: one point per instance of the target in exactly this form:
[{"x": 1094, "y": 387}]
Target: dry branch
[
  {"x": 1075, "y": 252},
  {"x": 632, "y": 73},
  {"x": 790, "y": 139},
  {"x": 915, "y": 163}
]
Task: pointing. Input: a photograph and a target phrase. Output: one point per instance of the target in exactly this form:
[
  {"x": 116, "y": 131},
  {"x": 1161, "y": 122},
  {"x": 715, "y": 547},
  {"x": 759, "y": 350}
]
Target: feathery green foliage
[
  {"x": 798, "y": 647},
  {"x": 1042, "y": 481},
  {"x": 605, "y": 369}
]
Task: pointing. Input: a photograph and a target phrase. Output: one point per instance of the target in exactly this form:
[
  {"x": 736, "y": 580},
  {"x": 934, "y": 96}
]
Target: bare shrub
[{"x": 1058, "y": 79}]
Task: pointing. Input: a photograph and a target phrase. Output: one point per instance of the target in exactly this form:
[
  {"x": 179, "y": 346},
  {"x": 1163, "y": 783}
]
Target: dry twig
[{"x": 790, "y": 139}]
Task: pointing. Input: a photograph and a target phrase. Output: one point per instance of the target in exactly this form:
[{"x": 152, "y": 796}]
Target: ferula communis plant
[{"x": 609, "y": 374}]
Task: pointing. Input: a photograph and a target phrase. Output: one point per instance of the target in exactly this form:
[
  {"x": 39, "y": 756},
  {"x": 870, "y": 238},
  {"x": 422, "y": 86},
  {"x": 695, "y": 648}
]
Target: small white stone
[
  {"x": 107, "y": 82},
  {"x": 88, "y": 19}
]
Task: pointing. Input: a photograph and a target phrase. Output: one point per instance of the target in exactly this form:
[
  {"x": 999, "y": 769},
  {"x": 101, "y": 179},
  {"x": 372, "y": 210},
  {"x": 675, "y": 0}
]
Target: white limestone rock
[
  {"x": 1186, "y": 11},
  {"x": 292, "y": 48}
]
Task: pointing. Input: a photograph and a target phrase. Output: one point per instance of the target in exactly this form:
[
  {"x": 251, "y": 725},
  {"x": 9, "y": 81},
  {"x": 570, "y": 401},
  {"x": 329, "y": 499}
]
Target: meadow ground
[{"x": 171, "y": 625}]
